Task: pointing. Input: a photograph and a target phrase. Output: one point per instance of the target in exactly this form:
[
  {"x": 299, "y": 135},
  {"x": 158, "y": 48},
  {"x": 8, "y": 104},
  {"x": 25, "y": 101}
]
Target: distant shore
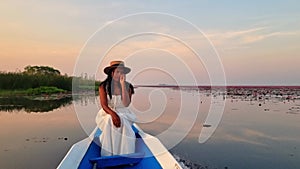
[
  {"x": 228, "y": 87},
  {"x": 52, "y": 93},
  {"x": 255, "y": 92}
]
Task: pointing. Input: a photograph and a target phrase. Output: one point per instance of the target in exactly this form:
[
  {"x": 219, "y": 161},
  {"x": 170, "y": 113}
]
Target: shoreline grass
[{"x": 39, "y": 91}]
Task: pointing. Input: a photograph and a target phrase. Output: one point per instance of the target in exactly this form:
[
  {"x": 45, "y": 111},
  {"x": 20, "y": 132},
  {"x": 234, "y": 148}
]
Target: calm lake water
[{"x": 253, "y": 133}]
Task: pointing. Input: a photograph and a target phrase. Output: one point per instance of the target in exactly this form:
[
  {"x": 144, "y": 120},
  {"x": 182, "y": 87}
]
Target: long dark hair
[
  {"x": 109, "y": 86},
  {"x": 107, "y": 83}
]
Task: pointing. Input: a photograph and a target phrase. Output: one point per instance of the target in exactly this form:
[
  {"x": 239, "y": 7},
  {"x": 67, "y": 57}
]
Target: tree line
[{"x": 38, "y": 76}]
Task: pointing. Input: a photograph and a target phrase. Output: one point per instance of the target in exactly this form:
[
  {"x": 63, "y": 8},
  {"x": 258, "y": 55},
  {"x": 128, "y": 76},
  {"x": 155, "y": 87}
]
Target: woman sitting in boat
[{"x": 115, "y": 119}]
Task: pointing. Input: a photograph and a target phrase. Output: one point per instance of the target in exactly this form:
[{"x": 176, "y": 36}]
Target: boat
[{"x": 150, "y": 154}]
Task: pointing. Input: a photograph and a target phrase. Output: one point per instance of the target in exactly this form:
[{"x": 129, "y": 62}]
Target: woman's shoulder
[
  {"x": 130, "y": 86},
  {"x": 103, "y": 86},
  {"x": 128, "y": 83},
  {"x": 103, "y": 83}
]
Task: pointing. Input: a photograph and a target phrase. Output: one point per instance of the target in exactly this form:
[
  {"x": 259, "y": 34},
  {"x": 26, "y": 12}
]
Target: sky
[{"x": 203, "y": 42}]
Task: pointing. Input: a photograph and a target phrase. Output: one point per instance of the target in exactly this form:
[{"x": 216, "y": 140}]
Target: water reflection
[
  {"x": 12, "y": 104},
  {"x": 258, "y": 130},
  {"x": 85, "y": 99},
  {"x": 258, "y": 126}
]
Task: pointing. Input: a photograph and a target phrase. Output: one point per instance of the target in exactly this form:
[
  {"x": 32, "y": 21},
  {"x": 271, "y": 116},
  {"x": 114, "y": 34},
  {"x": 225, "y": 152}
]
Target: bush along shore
[{"x": 42, "y": 82}]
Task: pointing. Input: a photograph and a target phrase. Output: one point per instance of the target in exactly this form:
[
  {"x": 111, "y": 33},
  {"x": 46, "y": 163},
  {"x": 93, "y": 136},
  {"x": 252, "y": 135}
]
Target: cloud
[
  {"x": 233, "y": 34},
  {"x": 255, "y": 38},
  {"x": 242, "y": 38}
]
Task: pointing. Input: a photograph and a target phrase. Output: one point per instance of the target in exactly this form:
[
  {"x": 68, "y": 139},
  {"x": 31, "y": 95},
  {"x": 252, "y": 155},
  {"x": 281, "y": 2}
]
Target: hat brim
[{"x": 108, "y": 69}]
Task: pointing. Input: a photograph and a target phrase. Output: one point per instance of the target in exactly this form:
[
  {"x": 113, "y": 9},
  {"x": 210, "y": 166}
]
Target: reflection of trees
[
  {"x": 85, "y": 100},
  {"x": 29, "y": 105},
  {"x": 11, "y": 104}
]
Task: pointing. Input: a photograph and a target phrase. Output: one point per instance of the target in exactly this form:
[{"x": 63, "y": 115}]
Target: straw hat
[{"x": 115, "y": 64}]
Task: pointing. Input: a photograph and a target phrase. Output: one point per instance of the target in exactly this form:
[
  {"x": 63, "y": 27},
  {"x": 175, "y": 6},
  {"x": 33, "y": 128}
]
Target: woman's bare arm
[
  {"x": 126, "y": 93},
  {"x": 103, "y": 101}
]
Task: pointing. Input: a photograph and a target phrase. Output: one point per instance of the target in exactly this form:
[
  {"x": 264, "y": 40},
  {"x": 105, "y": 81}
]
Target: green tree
[{"x": 41, "y": 70}]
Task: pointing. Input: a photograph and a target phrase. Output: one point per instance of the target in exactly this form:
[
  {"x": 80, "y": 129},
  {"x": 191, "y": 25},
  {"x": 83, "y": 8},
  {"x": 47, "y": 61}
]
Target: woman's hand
[
  {"x": 126, "y": 95},
  {"x": 116, "y": 120},
  {"x": 122, "y": 79}
]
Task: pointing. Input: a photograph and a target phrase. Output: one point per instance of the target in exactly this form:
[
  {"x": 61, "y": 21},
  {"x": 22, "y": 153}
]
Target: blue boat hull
[{"x": 87, "y": 155}]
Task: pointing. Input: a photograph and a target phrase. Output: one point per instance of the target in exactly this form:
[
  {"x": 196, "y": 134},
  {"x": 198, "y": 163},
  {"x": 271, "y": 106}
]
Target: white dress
[{"x": 116, "y": 141}]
